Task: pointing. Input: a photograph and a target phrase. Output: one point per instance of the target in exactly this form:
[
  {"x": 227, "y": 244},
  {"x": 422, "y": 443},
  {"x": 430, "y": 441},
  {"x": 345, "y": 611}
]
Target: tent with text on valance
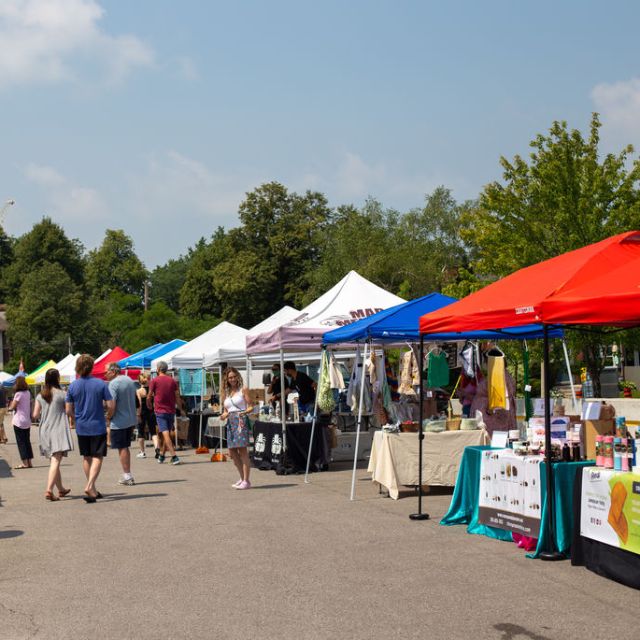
[{"x": 352, "y": 298}]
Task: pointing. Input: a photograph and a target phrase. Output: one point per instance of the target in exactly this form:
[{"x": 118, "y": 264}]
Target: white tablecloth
[{"x": 394, "y": 458}]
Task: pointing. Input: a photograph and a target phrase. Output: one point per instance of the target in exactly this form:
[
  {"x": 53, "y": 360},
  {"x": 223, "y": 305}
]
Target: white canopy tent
[
  {"x": 66, "y": 367},
  {"x": 202, "y": 351}
]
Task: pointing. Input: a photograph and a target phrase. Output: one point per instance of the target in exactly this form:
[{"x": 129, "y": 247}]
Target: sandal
[
  {"x": 89, "y": 498},
  {"x": 63, "y": 492},
  {"x": 48, "y": 495},
  {"x": 21, "y": 466}
]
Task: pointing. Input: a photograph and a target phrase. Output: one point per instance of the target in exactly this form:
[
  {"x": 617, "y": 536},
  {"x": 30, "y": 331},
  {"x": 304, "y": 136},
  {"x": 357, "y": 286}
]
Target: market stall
[
  {"x": 352, "y": 298},
  {"x": 596, "y": 285},
  {"x": 113, "y": 355},
  {"x": 142, "y": 359},
  {"x": 398, "y": 325},
  {"x": 524, "y": 519},
  {"x": 394, "y": 458}
]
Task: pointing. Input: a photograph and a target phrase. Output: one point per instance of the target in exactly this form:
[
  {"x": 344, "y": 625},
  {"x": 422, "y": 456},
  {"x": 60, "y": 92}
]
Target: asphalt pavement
[{"x": 183, "y": 555}]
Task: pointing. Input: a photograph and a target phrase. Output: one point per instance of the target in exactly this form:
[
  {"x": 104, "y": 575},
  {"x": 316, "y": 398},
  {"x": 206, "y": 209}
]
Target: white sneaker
[
  {"x": 142, "y": 454},
  {"x": 128, "y": 482},
  {"x": 236, "y": 484}
]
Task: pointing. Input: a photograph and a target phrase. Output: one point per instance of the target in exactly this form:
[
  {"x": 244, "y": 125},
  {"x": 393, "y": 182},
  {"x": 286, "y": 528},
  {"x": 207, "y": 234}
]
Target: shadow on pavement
[
  {"x": 5, "y": 469},
  {"x": 139, "y": 484},
  {"x": 512, "y": 631},
  {"x": 273, "y": 486},
  {"x": 11, "y": 533},
  {"x": 113, "y": 497}
]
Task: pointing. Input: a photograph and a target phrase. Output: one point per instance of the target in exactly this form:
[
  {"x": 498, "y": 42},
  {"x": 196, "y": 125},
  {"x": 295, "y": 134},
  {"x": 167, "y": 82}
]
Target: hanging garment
[
  {"x": 357, "y": 379},
  {"x": 335, "y": 375},
  {"x": 498, "y": 419},
  {"x": 468, "y": 359},
  {"x": 409, "y": 374},
  {"x": 392, "y": 382},
  {"x": 497, "y": 389},
  {"x": 326, "y": 400},
  {"x": 438, "y": 373}
]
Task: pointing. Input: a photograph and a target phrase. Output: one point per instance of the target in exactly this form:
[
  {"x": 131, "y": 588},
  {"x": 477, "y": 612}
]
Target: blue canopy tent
[
  {"x": 10, "y": 382},
  {"x": 400, "y": 324},
  {"x": 142, "y": 359}
]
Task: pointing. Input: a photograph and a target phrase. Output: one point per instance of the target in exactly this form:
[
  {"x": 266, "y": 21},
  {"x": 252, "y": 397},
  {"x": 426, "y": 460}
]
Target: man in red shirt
[{"x": 162, "y": 398}]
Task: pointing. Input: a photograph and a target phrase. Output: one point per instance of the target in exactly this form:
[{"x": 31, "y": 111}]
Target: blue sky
[{"x": 157, "y": 116}]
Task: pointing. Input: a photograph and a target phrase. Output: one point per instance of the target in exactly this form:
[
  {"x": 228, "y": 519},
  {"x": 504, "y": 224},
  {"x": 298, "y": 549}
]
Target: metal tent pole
[
  {"x": 315, "y": 414},
  {"x": 573, "y": 389},
  {"x": 551, "y": 553},
  {"x": 203, "y": 378},
  {"x": 420, "y": 515},
  {"x": 355, "y": 455},
  {"x": 283, "y": 410}
]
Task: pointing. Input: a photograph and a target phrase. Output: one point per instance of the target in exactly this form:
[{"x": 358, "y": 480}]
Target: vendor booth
[
  {"x": 398, "y": 326},
  {"x": 352, "y": 298},
  {"x": 596, "y": 285}
]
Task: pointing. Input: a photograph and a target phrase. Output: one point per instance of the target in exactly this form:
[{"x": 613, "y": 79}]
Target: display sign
[
  {"x": 510, "y": 496},
  {"x": 610, "y": 509}
]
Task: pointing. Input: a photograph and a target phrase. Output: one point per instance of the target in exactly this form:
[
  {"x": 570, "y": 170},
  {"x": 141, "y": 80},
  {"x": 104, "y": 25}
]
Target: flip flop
[
  {"x": 21, "y": 466},
  {"x": 89, "y": 498},
  {"x": 99, "y": 495}
]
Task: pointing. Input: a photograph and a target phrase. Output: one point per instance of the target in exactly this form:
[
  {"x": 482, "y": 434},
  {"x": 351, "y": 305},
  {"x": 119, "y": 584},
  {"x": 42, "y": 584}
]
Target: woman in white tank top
[{"x": 237, "y": 407}]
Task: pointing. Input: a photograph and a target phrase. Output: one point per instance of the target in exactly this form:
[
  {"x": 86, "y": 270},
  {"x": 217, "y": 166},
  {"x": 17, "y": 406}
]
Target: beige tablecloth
[{"x": 394, "y": 458}]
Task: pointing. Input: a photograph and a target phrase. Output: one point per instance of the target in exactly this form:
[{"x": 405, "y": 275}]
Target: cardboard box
[
  {"x": 256, "y": 395},
  {"x": 593, "y": 428}
]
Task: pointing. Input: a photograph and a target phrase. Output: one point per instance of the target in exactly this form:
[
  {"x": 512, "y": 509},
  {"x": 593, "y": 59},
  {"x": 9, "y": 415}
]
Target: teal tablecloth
[{"x": 464, "y": 503}]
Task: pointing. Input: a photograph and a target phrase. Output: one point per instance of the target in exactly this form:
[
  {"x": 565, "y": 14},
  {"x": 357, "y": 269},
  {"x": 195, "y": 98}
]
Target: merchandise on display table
[
  {"x": 465, "y": 503},
  {"x": 509, "y": 495}
]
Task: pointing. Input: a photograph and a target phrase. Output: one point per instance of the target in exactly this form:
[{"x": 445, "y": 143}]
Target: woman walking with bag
[
  {"x": 21, "y": 405},
  {"x": 55, "y": 436},
  {"x": 237, "y": 407}
]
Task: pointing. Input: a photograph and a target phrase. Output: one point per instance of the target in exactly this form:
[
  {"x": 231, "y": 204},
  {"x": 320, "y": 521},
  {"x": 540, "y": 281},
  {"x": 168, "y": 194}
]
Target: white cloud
[
  {"x": 65, "y": 201},
  {"x": 619, "y": 106},
  {"x": 351, "y": 179},
  {"x": 53, "y": 41}
]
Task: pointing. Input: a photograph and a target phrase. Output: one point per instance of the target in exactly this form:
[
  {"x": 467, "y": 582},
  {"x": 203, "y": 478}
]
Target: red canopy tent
[
  {"x": 114, "y": 355},
  {"x": 596, "y": 285}
]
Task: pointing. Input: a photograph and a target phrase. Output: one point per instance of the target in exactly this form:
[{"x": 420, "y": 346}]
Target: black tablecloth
[
  {"x": 603, "y": 559},
  {"x": 267, "y": 448}
]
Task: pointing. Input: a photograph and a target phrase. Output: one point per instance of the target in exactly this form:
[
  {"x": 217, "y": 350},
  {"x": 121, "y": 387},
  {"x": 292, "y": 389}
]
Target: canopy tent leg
[
  {"x": 283, "y": 410},
  {"x": 551, "y": 553},
  {"x": 202, "y": 380},
  {"x": 355, "y": 455},
  {"x": 315, "y": 414},
  {"x": 420, "y": 515},
  {"x": 573, "y": 389}
]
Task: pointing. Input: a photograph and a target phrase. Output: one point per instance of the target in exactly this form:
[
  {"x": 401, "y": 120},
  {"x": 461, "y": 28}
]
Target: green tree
[
  {"x": 46, "y": 243},
  {"x": 564, "y": 197},
  {"x": 6, "y": 257},
  {"x": 115, "y": 267},
  {"x": 50, "y": 309}
]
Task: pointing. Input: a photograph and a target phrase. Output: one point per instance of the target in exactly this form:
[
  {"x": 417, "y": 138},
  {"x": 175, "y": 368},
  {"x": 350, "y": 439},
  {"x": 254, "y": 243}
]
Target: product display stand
[
  {"x": 420, "y": 515},
  {"x": 549, "y": 554}
]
